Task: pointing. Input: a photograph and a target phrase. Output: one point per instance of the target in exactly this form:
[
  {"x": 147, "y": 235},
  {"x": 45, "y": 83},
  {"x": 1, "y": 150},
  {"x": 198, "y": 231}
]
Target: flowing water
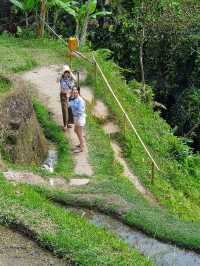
[
  {"x": 51, "y": 160},
  {"x": 160, "y": 253},
  {"x": 17, "y": 250}
]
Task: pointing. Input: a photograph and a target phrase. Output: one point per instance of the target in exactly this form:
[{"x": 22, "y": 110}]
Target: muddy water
[
  {"x": 160, "y": 253},
  {"x": 17, "y": 250}
]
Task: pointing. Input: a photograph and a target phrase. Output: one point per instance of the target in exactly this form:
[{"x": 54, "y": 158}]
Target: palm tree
[
  {"x": 41, "y": 24},
  {"x": 83, "y": 15}
]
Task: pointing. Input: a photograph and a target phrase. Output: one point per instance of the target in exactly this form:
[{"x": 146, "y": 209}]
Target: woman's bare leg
[{"x": 79, "y": 131}]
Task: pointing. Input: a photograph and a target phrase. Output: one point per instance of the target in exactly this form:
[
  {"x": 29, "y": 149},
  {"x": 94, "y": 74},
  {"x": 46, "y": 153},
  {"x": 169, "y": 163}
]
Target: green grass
[
  {"x": 177, "y": 185},
  {"x": 63, "y": 232},
  {"x": 18, "y": 55},
  {"x": 55, "y": 134},
  {"x": 109, "y": 188},
  {"x": 5, "y": 85},
  {"x": 100, "y": 151}
]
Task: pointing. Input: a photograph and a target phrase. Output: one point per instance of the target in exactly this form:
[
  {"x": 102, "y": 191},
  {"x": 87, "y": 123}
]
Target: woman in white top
[{"x": 78, "y": 110}]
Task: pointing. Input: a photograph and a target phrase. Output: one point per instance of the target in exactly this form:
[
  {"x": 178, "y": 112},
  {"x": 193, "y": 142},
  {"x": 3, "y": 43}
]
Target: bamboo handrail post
[
  {"x": 124, "y": 125},
  {"x": 95, "y": 69},
  {"x": 152, "y": 172}
]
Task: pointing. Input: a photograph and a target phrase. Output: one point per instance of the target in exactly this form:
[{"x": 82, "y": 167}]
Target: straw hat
[{"x": 66, "y": 68}]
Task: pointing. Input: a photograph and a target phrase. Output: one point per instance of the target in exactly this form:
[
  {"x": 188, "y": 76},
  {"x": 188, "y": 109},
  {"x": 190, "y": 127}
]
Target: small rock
[
  {"x": 15, "y": 124},
  {"x": 100, "y": 110},
  {"x": 11, "y": 137},
  {"x": 79, "y": 182},
  {"x": 111, "y": 128},
  {"x": 87, "y": 95}
]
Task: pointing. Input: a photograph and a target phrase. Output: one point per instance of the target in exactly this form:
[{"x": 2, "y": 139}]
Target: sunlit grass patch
[{"x": 5, "y": 84}]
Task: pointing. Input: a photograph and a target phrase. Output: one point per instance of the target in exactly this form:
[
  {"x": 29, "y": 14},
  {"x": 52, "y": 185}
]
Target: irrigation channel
[
  {"x": 160, "y": 253},
  {"x": 18, "y": 250},
  {"x": 52, "y": 158}
]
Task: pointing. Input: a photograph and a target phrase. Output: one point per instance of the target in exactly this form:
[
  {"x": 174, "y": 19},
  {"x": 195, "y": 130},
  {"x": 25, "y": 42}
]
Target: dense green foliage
[{"x": 162, "y": 38}]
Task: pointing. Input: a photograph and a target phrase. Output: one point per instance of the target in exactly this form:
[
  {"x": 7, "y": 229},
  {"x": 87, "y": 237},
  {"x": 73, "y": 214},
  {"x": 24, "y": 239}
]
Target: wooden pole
[
  {"x": 95, "y": 75},
  {"x": 70, "y": 58},
  {"x": 152, "y": 172},
  {"x": 124, "y": 125},
  {"x": 78, "y": 82}
]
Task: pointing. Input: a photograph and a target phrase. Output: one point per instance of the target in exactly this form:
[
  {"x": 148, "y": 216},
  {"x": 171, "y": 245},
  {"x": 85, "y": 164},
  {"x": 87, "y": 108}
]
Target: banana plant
[
  {"x": 58, "y": 5},
  {"x": 83, "y": 14},
  {"x": 25, "y": 6}
]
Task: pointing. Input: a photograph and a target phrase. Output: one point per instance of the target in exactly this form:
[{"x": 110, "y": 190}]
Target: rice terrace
[{"x": 99, "y": 132}]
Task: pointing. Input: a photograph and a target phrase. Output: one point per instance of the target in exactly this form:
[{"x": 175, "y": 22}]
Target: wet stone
[
  {"x": 100, "y": 110},
  {"x": 79, "y": 182},
  {"x": 11, "y": 137},
  {"x": 58, "y": 183},
  {"x": 24, "y": 177},
  {"x": 15, "y": 124},
  {"x": 87, "y": 95},
  {"x": 111, "y": 128}
]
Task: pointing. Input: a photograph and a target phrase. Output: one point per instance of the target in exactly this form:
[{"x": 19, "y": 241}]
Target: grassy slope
[
  {"x": 19, "y": 55},
  {"x": 61, "y": 231},
  {"x": 109, "y": 183},
  {"x": 83, "y": 243},
  {"x": 165, "y": 148},
  {"x": 177, "y": 185}
]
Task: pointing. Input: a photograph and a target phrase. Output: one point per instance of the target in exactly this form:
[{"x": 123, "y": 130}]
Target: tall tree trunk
[
  {"x": 42, "y": 18},
  {"x": 142, "y": 65},
  {"x": 26, "y": 18},
  {"x": 77, "y": 31},
  {"x": 55, "y": 17},
  {"x": 85, "y": 24}
]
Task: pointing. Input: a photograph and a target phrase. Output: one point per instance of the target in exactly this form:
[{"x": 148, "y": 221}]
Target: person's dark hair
[
  {"x": 63, "y": 75},
  {"x": 76, "y": 88}
]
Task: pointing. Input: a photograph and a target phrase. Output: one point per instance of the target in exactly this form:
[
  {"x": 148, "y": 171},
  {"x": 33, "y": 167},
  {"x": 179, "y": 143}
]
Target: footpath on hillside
[{"x": 46, "y": 87}]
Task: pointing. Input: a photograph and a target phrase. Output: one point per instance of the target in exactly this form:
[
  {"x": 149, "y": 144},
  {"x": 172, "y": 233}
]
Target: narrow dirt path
[
  {"x": 44, "y": 81},
  {"x": 46, "y": 87},
  {"x": 54, "y": 182},
  {"x": 134, "y": 179},
  {"x": 101, "y": 112}
]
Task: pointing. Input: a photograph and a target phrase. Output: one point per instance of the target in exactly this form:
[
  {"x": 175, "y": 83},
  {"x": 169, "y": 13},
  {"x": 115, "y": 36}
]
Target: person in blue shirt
[{"x": 78, "y": 109}]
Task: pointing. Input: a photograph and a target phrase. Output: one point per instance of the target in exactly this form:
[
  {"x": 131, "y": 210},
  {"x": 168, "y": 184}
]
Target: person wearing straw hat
[{"x": 67, "y": 82}]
